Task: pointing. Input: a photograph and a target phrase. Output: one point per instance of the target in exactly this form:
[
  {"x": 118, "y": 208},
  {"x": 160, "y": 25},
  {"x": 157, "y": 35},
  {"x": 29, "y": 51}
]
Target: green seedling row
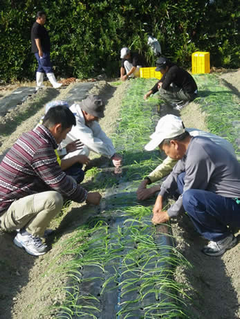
[
  {"x": 121, "y": 265},
  {"x": 221, "y": 106}
]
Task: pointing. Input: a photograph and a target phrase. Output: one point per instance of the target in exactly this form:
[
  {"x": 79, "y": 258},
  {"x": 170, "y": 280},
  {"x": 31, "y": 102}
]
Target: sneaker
[
  {"x": 180, "y": 106},
  {"x": 32, "y": 244},
  {"x": 217, "y": 248},
  {"x": 47, "y": 232}
]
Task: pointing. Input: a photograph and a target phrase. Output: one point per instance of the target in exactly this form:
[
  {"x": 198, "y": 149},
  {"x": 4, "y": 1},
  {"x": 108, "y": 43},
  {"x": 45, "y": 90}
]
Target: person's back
[
  {"x": 216, "y": 169},
  {"x": 180, "y": 78}
]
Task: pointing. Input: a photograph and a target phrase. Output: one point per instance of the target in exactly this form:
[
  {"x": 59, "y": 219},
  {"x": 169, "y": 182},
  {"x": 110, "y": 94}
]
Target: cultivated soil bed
[{"x": 26, "y": 288}]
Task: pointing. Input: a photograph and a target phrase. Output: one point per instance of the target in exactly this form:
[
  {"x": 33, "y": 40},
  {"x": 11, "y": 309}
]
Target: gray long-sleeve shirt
[{"x": 209, "y": 167}]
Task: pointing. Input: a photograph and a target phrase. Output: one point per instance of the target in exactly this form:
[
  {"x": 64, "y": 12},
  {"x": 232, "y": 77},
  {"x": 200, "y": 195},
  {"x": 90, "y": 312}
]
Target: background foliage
[{"x": 86, "y": 36}]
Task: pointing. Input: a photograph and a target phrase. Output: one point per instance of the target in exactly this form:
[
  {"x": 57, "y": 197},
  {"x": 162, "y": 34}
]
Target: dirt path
[{"x": 214, "y": 283}]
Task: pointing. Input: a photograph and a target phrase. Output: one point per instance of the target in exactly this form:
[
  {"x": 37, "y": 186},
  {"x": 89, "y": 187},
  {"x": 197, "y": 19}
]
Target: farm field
[{"x": 207, "y": 287}]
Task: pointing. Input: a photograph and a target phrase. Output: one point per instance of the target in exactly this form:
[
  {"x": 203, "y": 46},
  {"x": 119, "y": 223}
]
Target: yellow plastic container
[
  {"x": 200, "y": 62},
  {"x": 148, "y": 73}
]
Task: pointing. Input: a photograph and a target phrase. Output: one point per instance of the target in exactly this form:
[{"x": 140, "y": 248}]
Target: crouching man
[
  {"x": 89, "y": 132},
  {"x": 32, "y": 184},
  {"x": 207, "y": 179}
]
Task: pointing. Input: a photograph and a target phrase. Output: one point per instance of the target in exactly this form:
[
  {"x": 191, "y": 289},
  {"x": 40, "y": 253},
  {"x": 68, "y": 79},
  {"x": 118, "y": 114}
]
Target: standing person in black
[
  {"x": 130, "y": 64},
  {"x": 177, "y": 87},
  {"x": 41, "y": 49}
]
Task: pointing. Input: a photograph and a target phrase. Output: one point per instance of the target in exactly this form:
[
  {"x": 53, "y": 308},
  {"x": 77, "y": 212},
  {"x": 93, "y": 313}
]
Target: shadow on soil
[
  {"x": 208, "y": 278},
  {"x": 15, "y": 264}
]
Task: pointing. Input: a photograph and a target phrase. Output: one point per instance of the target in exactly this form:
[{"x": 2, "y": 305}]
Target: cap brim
[
  {"x": 154, "y": 143},
  {"x": 158, "y": 68}
]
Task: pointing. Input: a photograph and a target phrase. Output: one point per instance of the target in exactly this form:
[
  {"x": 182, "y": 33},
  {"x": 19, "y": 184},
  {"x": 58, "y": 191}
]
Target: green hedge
[{"x": 86, "y": 36}]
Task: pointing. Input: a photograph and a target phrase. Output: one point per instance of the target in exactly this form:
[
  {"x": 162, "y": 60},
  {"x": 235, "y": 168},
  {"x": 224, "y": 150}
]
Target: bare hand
[
  {"x": 73, "y": 146},
  {"x": 40, "y": 53},
  {"x": 161, "y": 217},
  {"x": 117, "y": 160},
  {"x": 143, "y": 194},
  {"x": 93, "y": 198},
  {"x": 159, "y": 85},
  {"x": 83, "y": 159},
  {"x": 124, "y": 77},
  {"x": 146, "y": 96}
]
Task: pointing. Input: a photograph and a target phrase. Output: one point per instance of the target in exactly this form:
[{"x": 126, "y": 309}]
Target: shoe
[
  {"x": 180, "y": 106},
  {"x": 218, "y": 248},
  {"x": 53, "y": 81},
  {"x": 39, "y": 80},
  {"x": 32, "y": 244},
  {"x": 47, "y": 232}
]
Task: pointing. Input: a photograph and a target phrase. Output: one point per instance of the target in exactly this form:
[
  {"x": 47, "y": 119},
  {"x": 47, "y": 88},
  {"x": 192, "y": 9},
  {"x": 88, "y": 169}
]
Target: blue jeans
[
  {"x": 210, "y": 213},
  {"x": 76, "y": 172},
  {"x": 44, "y": 63}
]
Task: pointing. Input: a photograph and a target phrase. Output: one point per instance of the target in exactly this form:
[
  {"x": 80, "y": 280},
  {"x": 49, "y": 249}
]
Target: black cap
[
  {"x": 93, "y": 105},
  {"x": 161, "y": 63}
]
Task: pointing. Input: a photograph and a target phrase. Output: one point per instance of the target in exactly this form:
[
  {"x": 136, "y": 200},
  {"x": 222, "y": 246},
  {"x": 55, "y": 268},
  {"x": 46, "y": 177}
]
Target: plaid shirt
[{"x": 31, "y": 167}]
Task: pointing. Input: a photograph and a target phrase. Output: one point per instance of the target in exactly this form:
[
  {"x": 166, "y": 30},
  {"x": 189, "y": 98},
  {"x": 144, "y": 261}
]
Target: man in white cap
[
  {"x": 130, "y": 64},
  {"x": 89, "y": 132},
  {"x": 207, "y": 179},
  {"x": 167, "y": 165}
]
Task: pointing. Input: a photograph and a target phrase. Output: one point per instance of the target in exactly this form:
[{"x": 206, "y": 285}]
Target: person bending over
[
  {"x": 32, "y": 184},
  {"x": 207, "y": 179},
  {"x": 89, "y": 132},
  {"x": 131, "y": 62},
  {"x": 177, "y": 87},
  {"x": 167, "y": 165}
]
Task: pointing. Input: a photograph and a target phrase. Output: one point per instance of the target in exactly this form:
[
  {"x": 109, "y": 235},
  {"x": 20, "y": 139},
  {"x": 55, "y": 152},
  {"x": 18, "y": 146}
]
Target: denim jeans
[
  {"x": 76, "y": 172},
  {"x": 44, "y": 63},
  {"x": 212, "y": 215}
]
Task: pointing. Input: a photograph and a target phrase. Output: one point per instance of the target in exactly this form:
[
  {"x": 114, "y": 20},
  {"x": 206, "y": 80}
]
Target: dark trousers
[
  {"x": 211, "y": 214},
  {"x": 76, "y": 172},
  {"x": 175, "y": 95},
  {"x": 44, "y": 63}
]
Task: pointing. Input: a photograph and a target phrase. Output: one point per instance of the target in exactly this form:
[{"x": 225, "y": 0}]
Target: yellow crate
[
  {"x": 148, "y": 73},
  {"x": 200, "y": 62}
]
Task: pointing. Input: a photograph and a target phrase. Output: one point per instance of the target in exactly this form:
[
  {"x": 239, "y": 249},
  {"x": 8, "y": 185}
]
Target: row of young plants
[
  {"x": 121, "y": 265},
  {"x": 219, "y": 101}
]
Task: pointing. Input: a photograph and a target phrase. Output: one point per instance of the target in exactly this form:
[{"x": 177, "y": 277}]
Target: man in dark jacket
[{"x": 177, "y": 87}]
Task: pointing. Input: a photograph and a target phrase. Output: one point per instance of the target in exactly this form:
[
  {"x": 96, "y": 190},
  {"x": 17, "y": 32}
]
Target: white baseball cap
[
  {"x": 124, "y": 52},
  {"x": 168, "y": 126}
]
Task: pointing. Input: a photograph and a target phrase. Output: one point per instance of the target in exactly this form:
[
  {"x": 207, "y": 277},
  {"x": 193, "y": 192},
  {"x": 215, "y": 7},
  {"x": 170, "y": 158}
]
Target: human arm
[
  {"x": 143, "y": 192},
  {"x": 47, "y": 169},
  {"x": 94, "y": 138},
  {"x": 93, "y": 198},
  {"x": 198, "y": 168},
  {"x": 162, "y": 170},
  {"x": 68, "y": 162},
  {"x": 73, "y": 146},
  {"x": 159, "y": 216},
  {"x": 146, "y": 96},
  {"x": 39, "y": 47},
  {"x": 122, "y": 73},
  {"x": 116, "y": 160}
]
